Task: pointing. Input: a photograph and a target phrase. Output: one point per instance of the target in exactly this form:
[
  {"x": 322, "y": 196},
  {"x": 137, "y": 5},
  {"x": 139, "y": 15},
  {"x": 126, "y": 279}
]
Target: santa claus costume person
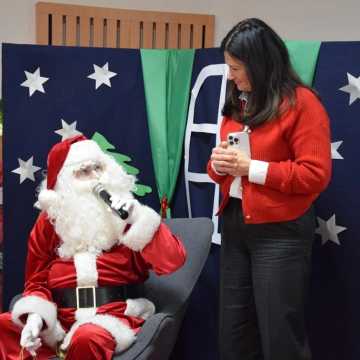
[{"x": 80, "y": 252}]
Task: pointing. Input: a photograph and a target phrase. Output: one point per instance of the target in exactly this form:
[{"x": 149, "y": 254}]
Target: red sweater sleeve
[
  {"x": 219, "y": 179},
  {"x": 309, "y": 141}
]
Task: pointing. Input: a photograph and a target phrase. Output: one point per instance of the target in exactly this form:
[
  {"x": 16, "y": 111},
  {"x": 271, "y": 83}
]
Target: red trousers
[{"x": 89, "y": 341}]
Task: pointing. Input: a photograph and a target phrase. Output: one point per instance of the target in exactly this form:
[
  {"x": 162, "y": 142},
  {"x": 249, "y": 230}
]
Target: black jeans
[{"x": 263, "y": 287}]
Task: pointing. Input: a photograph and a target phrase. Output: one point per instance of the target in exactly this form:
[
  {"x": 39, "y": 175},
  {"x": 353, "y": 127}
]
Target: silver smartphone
[{"x": 240, "y": 140}]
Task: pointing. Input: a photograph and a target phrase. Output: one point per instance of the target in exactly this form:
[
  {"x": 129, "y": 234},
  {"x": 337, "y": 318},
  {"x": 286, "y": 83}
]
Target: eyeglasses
[{"x": 88, "y": 170}]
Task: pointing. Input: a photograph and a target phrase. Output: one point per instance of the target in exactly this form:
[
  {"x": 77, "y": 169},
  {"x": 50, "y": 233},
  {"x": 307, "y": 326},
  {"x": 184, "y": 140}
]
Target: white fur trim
[
  {"x": 84, "y": 314},
  {"x": 258, "y": 171},
  {"x": 84, "y": 150},
  {"x": 123, "y": 334},
  {"x": 140, "y": 307},
  {"x": 144, "y": 224},
  {"x": 52, "y": 337},
  {"x": 86, "y": 269},
  {"x": 35, "y": 304},
  {"x": 47, "y": 198}
]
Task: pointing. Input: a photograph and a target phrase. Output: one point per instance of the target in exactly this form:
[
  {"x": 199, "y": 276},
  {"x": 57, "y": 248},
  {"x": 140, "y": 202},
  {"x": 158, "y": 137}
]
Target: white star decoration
[
  {"x": 353, "y": 88},
  {"x": 102, "y": 75},
  {"x": 26, "y": 170},
  {"x": 329, "y": 230},
  {"x": 68, "y": 130},
  {"x": 334, "y": 150},
  {"x": 34, "y": 81}
]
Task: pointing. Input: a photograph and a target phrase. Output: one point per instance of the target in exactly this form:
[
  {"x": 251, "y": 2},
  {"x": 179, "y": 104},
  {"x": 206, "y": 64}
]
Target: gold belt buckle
[{"x": 78, "y": 288}]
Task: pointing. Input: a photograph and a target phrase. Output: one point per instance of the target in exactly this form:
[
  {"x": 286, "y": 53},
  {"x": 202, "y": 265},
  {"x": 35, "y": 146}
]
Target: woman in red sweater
[{"x": 273, "y": 161}]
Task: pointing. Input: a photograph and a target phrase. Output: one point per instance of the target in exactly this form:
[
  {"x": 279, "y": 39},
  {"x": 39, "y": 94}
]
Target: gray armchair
[{"x": 171, "y": 293}]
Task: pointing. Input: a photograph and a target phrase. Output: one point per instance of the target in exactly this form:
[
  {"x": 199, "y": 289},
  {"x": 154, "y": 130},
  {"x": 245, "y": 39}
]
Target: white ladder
[{"x": 206, "y": 72}]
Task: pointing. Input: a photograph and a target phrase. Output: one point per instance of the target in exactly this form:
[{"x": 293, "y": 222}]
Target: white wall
[{"x": 292, "y": 19}]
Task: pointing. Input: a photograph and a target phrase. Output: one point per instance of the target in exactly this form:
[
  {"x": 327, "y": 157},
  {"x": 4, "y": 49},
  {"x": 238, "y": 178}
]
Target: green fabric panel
[
  {"x": 154, "y": 65},
  {"x": 167, "y": 78},
  {"x": 303, "y": 56}
]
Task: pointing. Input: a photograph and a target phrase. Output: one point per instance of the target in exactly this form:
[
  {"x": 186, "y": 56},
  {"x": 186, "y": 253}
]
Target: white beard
[{"x": 82, "y": 221}]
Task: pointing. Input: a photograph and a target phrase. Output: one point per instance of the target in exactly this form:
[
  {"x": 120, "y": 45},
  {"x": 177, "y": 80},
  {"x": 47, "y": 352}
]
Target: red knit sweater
[{"x": 297, "y": 147}]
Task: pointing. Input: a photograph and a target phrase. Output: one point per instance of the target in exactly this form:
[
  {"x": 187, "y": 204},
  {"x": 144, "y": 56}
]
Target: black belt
[{"x": 92, "y": 296}]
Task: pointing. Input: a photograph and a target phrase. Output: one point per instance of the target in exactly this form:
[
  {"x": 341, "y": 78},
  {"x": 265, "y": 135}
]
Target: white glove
[
  {"x": 128, "y": 205},
  {"x": 139, "y": 307},
  {"x": 30, "y": 339}
]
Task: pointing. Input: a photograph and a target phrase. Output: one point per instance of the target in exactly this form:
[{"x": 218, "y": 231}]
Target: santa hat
[
  {"x": 56, "y": 159},
  {"x": 71, "y": 151}
]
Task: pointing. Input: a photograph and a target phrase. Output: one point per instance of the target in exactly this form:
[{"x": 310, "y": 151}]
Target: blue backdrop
[
  {"x": 32, "y": 124},
  {"x": 118, "y": 112},
  {"x": 198, "y": 336},
  {"x": 334, "y": 314}
]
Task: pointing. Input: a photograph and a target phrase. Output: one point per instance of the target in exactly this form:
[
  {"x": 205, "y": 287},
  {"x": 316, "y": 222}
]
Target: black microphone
[{"x": 103, "y": 194}]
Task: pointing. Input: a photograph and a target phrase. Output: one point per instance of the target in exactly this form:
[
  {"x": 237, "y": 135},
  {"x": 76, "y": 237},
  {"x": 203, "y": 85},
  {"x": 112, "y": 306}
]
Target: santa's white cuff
[
  {"x": 258, "y": 171},
  {"x": 143, "y": 228},
  {"x": 35, "y": 304}
]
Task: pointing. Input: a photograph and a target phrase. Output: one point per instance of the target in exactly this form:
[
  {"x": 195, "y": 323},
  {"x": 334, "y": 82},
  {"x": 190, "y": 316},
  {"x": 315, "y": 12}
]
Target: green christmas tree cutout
[{"x": 140, "y": 189}]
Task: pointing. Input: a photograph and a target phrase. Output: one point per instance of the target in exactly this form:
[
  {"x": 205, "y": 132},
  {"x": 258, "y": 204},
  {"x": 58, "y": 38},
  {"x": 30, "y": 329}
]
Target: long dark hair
[{"x": 269, "y": 70}]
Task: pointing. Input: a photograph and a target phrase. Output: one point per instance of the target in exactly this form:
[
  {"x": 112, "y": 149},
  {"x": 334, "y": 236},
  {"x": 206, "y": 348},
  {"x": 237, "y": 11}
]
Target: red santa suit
[{"x": 147, "y": 244}]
